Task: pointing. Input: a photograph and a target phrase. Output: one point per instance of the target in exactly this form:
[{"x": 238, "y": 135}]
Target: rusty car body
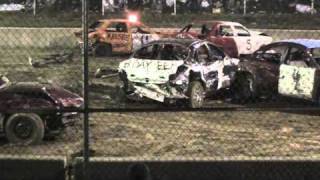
[
  {"x": 235, "y": 39},
  {"x": 289, "y": 68},
  {"x": 118, "y": 36},
  {"x": 19, "y": 102},
  {"x": 172, "y": 70}
]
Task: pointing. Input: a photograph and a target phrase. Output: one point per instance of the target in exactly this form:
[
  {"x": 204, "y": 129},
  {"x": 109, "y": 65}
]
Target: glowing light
[{"x": 133, "y": 18}]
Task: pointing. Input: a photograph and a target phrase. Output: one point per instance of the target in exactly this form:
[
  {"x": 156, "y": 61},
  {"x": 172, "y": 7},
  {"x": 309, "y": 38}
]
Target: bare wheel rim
[{"x": 23, "y": 128}]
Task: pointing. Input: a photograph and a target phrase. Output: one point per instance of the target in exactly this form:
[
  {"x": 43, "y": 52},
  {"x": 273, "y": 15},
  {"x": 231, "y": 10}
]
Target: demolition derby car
[
  {"x": 290, "y": 68},
  {"x": 177, "y": 69},
  {"x": 30, "y": 128},
  {"x": 235, "y": 39},
  {"x": 120, "y": 36}
]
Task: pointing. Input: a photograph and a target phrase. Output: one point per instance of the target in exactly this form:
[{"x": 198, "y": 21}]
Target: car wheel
[
  {"x": 243, "y": 89},
  {"x": 24, "y": 129},
  {"x": 196, "y": 94},
  {"x": 102, "y": 50}
]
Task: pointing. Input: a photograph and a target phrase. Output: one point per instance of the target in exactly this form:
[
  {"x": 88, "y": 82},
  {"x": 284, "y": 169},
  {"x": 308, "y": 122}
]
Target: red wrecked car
[
  {"x": 31, "y": 128},
  {"x": 235, "y": 39}
]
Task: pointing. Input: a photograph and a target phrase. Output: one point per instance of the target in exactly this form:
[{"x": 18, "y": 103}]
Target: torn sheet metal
[{"x": 145, "y": 92}]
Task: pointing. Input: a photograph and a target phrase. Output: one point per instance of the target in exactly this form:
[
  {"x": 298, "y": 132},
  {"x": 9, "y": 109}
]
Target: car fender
[{"x": 195, "y": 73}]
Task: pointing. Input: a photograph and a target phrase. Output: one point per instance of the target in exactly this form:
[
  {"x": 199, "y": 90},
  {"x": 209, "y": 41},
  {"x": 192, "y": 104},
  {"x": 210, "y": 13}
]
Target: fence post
[
  {"x": 175, "y": 7},
  {"x": 102, "y": 8},
  {"x": 34, "y": 7},
  {"x": 85, "y": 89},
  {"x": 312, "y": 7},
  {"x": 244, "y": 7}
]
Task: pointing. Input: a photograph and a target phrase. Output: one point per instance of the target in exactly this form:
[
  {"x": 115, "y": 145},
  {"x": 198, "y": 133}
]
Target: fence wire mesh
[{"x": 161, "y": 85}]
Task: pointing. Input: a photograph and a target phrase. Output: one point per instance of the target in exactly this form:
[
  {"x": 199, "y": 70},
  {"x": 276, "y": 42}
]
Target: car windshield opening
[
  {"x": 149, "y": 52},
  {"x": 173, "y": 52}
]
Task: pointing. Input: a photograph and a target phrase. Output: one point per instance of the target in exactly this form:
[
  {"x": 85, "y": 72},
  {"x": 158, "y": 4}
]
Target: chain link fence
[{"x": 244, "y": 91}]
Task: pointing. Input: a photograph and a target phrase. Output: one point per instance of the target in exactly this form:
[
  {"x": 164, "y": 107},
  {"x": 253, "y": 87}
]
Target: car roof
[
  {"x": 230, "y": 23},
  {"x": 184, "y": 42},
  {"x": 308, "y": 43}
]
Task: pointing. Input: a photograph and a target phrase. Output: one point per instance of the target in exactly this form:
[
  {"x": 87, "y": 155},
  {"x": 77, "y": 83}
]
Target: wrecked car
[
  {"x": 118, "y": 36},
  {"x": 288, "y": 68},
  {"x": 235, "y": 39},
  {"x": 173, "y": 70},
  {"x": 30, "y": 128}
]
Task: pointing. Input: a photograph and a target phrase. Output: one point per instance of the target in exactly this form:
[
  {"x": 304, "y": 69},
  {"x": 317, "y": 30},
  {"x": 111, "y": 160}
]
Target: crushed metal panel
[
  {"x": 150, "y": 94},
  {"x": 297, "y": 81}
]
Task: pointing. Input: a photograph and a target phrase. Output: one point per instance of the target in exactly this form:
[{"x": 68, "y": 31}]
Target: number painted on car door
[{"x": 243, "y": 40}]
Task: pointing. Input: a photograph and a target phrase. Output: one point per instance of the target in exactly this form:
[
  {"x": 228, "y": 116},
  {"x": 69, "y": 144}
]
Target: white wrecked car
[{"x": 177, "y": 69}]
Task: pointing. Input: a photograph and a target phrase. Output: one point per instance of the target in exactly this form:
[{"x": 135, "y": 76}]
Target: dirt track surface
[
  {"x": 188, "y": 134},
  {"x": 206, "y": 134}
]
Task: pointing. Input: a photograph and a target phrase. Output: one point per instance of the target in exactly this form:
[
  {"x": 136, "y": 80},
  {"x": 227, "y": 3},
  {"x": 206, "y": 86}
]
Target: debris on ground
[
  {"x": 105, "y": 73},
  {"x": 57, "y": 58}
]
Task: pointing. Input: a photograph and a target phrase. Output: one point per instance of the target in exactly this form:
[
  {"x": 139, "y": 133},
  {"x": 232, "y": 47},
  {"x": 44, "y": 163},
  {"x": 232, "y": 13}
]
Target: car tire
[
  {"x": 24, "y": 129},
  {"x": 196, "y": 94},
  {"x": 243, "y": 89},
  {"x": 103, "y": 50}
]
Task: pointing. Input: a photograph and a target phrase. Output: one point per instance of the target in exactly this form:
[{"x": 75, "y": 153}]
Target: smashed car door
[
  {"x": 297, "y": 77},
  {"x": 208, "y": 66},
  {"x": 267, "y": 69},
  {"x": 222, "y": 68}
]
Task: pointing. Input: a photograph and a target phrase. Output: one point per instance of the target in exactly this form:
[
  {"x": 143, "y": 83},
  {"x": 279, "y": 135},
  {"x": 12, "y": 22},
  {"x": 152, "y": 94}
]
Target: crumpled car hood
[{"x": 149, "y": 71}]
